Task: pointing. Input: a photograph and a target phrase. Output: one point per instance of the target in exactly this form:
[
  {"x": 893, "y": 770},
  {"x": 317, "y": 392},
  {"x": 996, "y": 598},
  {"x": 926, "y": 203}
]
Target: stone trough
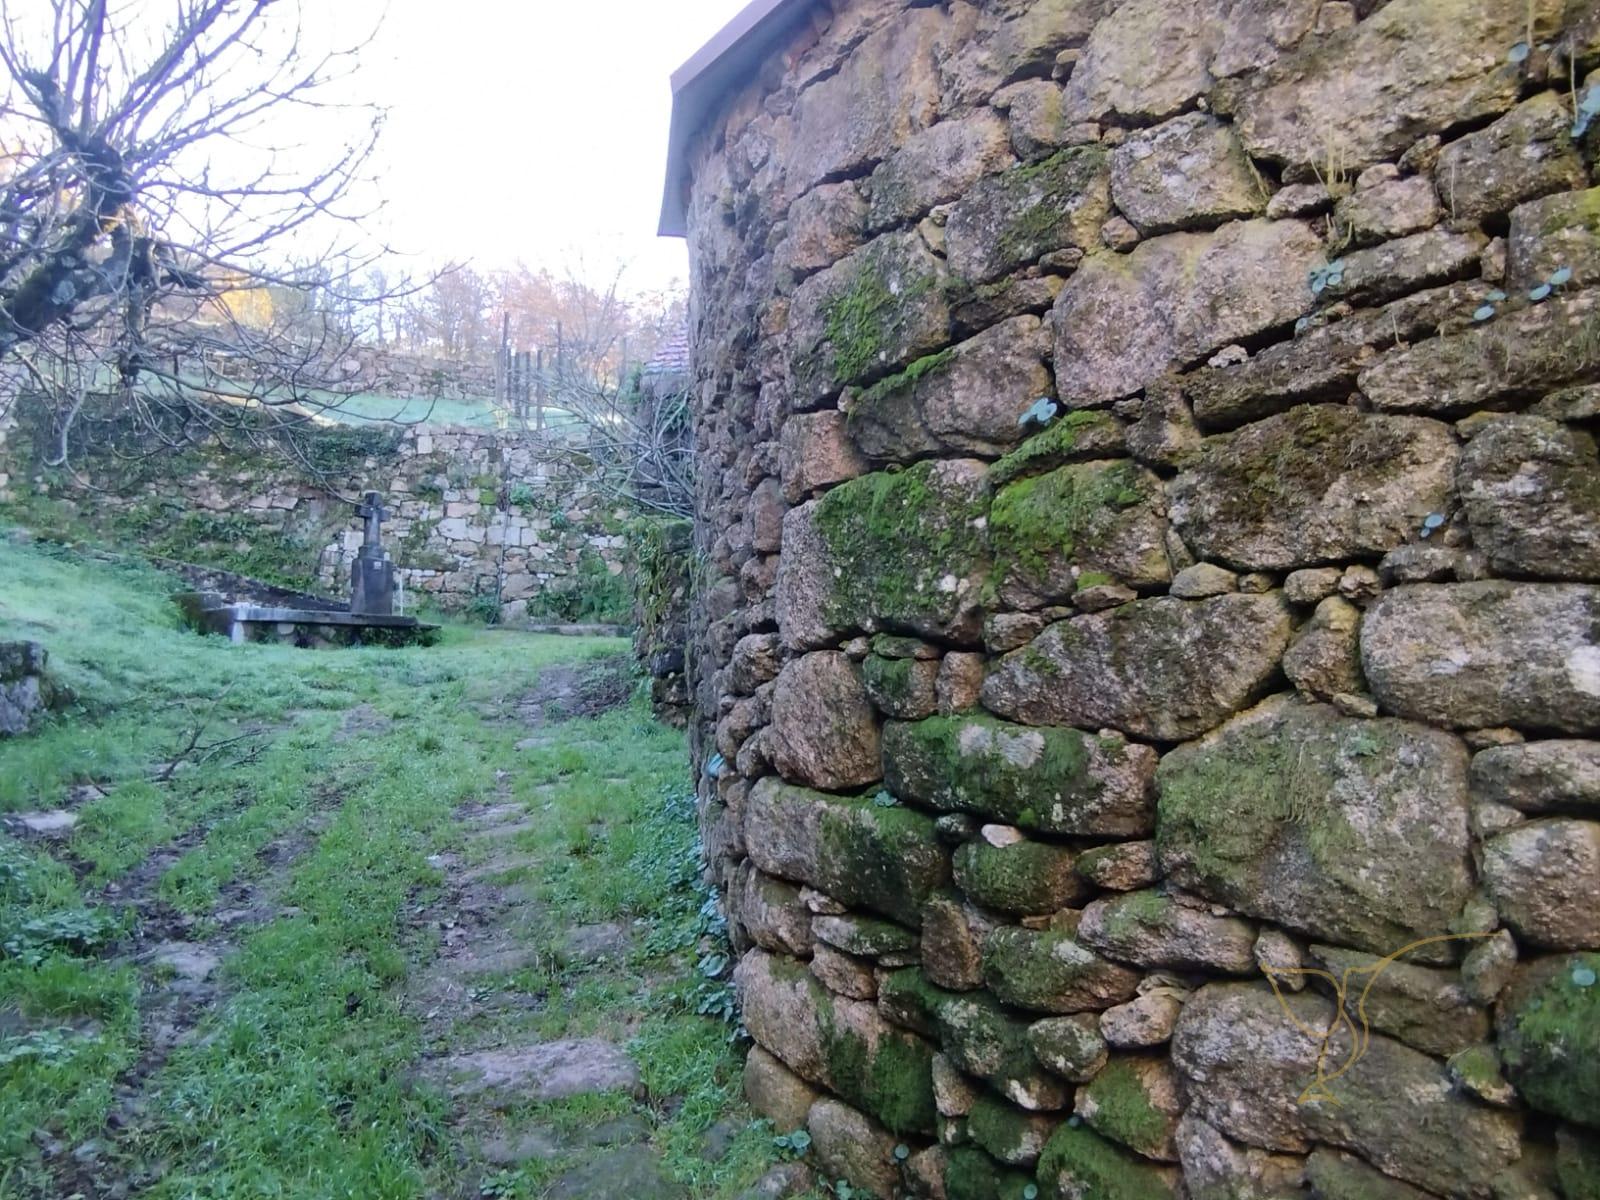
[{"x": 249, "y": 613}]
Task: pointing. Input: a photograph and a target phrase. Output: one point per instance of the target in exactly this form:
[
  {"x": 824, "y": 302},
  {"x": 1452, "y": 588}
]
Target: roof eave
[{"x": 721, "y": 64}]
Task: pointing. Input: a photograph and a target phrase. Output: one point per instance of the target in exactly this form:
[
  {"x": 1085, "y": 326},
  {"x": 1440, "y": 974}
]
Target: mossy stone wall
[{"x": 1173, "y": 428}]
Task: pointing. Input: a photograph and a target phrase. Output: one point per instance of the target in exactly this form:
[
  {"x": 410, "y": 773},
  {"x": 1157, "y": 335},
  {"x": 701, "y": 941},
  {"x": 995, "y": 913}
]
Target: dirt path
[
  {"x": 426, "y": 923},
  {"x": 176, "y": 957}
]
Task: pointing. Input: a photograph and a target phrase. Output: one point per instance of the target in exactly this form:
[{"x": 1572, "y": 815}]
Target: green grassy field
[
  {"x": 368, "y": 408},
  {"x": 327, "y": 797}
]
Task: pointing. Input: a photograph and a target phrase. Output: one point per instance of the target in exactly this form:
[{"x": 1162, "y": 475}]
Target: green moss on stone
[
  {"x": 908, "y": 998},
  {"x": 1037, "y": 970},
  {"x": 888, "y": 1076},
  {"x": 1043, "y": 778},
  {"x": 1039, "y": 198},
  {"x": 972, "y": 1175},
  {"x": 1223, "y": 807},
  {"x": 1252, "y": 480},
  {"x": 888, "y": 645},
  {"x": 1080, "y": 1164},
  {"x": 1122, "y": 1109},
  {"x": 1550, "y": 1038},
  {"x": 1129, "y": 914},
  {"x": 1578, "y": 1164},
  {"x": 1046, "y": 519},
  {"x": 972, "y": 1028},
  {"x": 893, "y": 1081},
  {"x": 857, "y": 319},
  {"x": 907, "y": 380},
  {"x": 1054, "y": 447},
  {"x": 1236, "y": 808},
  {"x": 887, "y": 858},
  {"x": 1023, "y": 878},
  {"x": 889, "y": 677},
  {"x": 892, "y": 537},
  {"x": 999, "y": 1128},
  {"x": 868, "y": 937}
]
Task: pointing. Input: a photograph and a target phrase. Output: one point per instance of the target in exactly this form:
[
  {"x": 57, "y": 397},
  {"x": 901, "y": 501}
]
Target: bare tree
[{"x": 155, "y": 199}]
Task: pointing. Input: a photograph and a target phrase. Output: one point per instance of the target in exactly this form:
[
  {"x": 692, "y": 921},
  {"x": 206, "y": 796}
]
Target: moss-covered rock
[
  {"x": 1165, "y": 668},
  {"x": 1022, "y": 878},
  {"x": 1493, "y": 365},
  {"x": 1558, "y": 231},
  {"x": 1354, "y": 831},
  {"x": 1050, "y": 972},
  {"x": 1336, "y": 1176},
  {"x": 1009, "y": 1134},
  {"x": 973, "y": 1175},
  {"x": 1054, "y": 780},
  {"x": 901, "y": 551},
  {"x": 1421, "y": 1006},
  {"x": 1153, "y": 929},
  {"x": 1252, "y": 1072},
  {"x": 1531, "y": 488},
  {"x": 1526, "y": 154},
  {"x": 1476, "y": 1070},
  {"x": 1551, "y": 776},
  {"x": 1549, "y": 1026},
  {"x": 840, "y": 1044},
  {"x": 1578, "y": 1164},
  {"x": 865, "y": 937},
  {"x": 968, "y": 399},
  {"x": 1079, "y": 1164},
  {"x": 1013, "y": 218},
  {"x": 1075, "y": 437},
  {"x": 901, "y": 687},
  {"x": 859, "y": 852},
  {"x": 1321, "y": 483},
  {"x": 978, "y": 1035},
  {"x": 1104, "y": 518},
  {"x": 1072, "y": 1046},
  {"x": 1135, "y": 1100},
  {"x": 875, "y": 311}
]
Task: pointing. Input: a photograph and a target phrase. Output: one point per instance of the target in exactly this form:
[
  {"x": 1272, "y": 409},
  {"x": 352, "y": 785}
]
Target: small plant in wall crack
[
  {"x": 792, "y": 1145},
  {"x": 1041, "y": 412},
  {"x": 1558, "y": 278},
  {"x": 1328, "y": 275},
  {"x": 1586, "y": 108}
]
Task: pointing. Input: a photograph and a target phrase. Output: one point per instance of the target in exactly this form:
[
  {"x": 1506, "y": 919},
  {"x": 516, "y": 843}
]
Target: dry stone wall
[
  {"x": 1151, "y": 516},
  {"x": 478, "y": 519}
]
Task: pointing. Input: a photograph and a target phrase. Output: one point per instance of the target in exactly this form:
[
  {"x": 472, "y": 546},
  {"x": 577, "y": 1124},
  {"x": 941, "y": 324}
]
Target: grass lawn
[
  {"x": 350, "y": 832},
  {"x": 366, "y": 408}
]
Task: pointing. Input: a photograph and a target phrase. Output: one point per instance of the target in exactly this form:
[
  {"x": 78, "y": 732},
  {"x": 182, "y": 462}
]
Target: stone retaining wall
[
  {"x": 1152, "y": 519},
  {"x": 479, "y": 520}
]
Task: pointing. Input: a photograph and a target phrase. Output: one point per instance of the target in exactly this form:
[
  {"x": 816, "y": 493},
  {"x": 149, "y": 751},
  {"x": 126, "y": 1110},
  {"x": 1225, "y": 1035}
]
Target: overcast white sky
[{"x": 533, "y": 129}]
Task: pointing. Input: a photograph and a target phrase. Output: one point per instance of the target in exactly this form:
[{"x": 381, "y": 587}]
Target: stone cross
[
  {"x": 372, "y": 577},
  {"x": 372, "y": 511}
]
